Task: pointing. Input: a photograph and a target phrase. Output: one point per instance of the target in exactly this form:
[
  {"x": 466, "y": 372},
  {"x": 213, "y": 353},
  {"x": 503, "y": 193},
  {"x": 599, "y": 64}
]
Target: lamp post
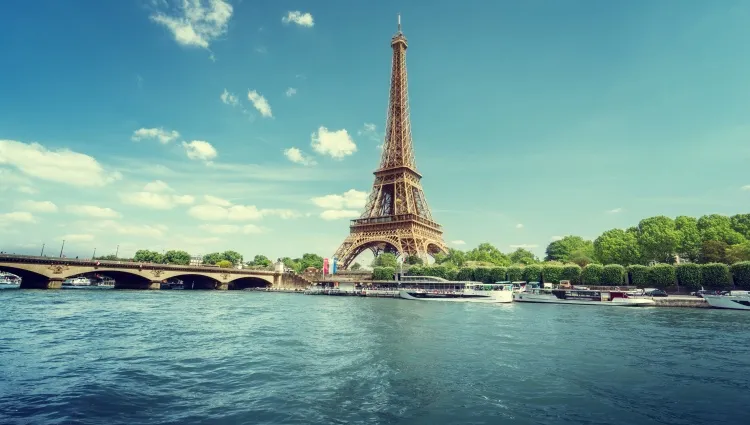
[
  {"x": 117, "y": 251},
  {"x": 61, "y": 248},
  {"x": 42, "y": 254},
  {"x": 93, "y": 257}
]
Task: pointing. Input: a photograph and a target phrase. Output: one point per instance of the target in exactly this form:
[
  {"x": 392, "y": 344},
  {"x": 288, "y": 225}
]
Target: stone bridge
[{"x": 49, "y": 273}]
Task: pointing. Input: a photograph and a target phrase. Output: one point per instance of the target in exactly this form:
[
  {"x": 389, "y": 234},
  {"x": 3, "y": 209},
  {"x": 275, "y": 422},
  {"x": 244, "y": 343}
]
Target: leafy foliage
[
  {"x": 515, "y": 273},
  {"x": 482, "y": 274},
  {"x": 713, "y": 251},
  {"x": 568, "y": 248},
  {"x": 523, "y": 256},
  {"x": 613, "y": 274},
  {"x": 741, "y": 224},
  {"x": 717, "y": 227},
  {"x": 146, "y": 256},
  {"x": 532, "y": 273},
  {"x": 638, "y": 275},
  {"x": 737, "y": 253},
  {"x": 454, "y": 257},
  {"x": 177, "y": 257},
  {"x": 465, "y": 274},
  {"x": 497, "y": 274},
  {"x": 661, "y": 276},
  {"x": 689, "y": 275},
  {"x": 592, "y": 274},
  {"x": 658, "y": 238},
  {"x": 413, "y": 259},
  {"x": 225, "y": 264},
  {"x": 616, "y": 246},
  {"x": 355, "y": 266},
  {"x": 716, "y": 276},
  {"x": 741, "y": 273},
  {"x": 571, "y": 272},
  {"x": 260, "y": 261},
  {"x": 552, "y": 272},
  {"x": 689, "y": 244},
  {"x": 488, "y": 253},
  {"x": 385, "y": 259},
  {"x": 383, "y": 273}
]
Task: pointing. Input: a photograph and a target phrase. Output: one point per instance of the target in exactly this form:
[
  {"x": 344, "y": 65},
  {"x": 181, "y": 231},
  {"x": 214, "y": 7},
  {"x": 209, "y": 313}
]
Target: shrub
[
  {"x": 716, "y": 276},
  {"x": 465, "y": 274},
  {"x": 515, "y": 273},
  {"x": 415, "y": 271},
  {"x": 571, "y": 272},
  {"x": 741, "y": 274},
  {"x": 482, "y": 274},
  {"x": 497, "y": 274},
  {"x": 437, "y": 271},
  {"x": 532, "y": 273},
  {"x": 638, "y": 275},
  {"x": 689, "y": 275},
  {"x": 451, "y": 273},
  {"x": 383, "y": 273},
  {"x": 613, "y": 274},
  {"x": 592, "y": 274},
  {"x": 552, "y": 273},
  {"x": 661, "y": 276}
]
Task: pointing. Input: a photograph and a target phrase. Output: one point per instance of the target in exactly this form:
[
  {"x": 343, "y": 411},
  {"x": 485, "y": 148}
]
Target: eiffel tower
[{"x": 396, "y": 218}]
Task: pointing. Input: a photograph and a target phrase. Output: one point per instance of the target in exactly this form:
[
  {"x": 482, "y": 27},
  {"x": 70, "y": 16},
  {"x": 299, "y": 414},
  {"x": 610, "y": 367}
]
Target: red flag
[{"x": 325, "y": 266}]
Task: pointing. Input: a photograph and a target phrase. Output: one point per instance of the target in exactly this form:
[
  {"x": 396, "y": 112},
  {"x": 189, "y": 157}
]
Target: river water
[{"x": 217, "y": 357}]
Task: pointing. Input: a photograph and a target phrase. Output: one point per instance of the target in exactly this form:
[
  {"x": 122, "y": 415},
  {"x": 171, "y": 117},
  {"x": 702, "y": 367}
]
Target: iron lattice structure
[{"x": 396, "y": 217}]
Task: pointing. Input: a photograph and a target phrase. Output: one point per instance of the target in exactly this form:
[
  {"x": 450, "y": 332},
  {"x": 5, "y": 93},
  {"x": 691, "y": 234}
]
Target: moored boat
[
  {"x": 77, "y": 282},
  {"x": 430, "y": 288},
  {"x": 736, "y": 300},
  {"x": 580, "y": 297}
]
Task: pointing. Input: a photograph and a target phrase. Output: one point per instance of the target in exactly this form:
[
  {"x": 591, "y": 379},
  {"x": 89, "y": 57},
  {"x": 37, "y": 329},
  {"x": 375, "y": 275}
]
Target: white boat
[
  {"x": 77, "y": 281},
  {"x": 580, "y": 297},
  {"x": 431, "y": 288},
  {"x": 9, "y": 280},
  {"x": 736, "y": 300}
]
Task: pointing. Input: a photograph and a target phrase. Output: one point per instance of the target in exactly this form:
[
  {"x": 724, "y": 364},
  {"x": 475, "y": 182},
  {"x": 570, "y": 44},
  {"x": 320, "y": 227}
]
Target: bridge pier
[
  {"x": 130, "y": 284},
  {"x": 53, "y": 283},
  {"x": 222, "y": 286}
]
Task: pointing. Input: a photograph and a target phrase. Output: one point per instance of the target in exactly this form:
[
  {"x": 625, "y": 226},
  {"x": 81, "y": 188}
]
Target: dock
[{"x": 376, "y": 293}]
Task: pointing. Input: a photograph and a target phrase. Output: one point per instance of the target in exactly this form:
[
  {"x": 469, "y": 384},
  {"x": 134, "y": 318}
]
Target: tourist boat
[
  {"x": 9, "y": 280},
  {"x": 736, "y": 300},
  {"x": 431, "y": 288},
  {"x": 77, "y": 281},
  {"x": 579, "y": 297}
]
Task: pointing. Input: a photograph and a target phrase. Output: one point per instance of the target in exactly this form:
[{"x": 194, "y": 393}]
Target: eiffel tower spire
[{"x": 396, "y": 218}]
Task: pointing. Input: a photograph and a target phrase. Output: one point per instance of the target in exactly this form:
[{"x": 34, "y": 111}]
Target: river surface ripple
[{"x": 190, "y": 357}]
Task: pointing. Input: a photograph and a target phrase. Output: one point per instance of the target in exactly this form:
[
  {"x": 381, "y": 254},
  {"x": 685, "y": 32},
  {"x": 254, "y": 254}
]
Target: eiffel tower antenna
[{"x": 396, "y": 218}]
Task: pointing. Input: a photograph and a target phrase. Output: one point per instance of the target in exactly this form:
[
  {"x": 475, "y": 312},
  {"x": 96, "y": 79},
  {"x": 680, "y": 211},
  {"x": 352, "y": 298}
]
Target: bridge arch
[
  {"x": 196, "y": 280},
  {"x": 248, "y": 282},
  {"x": 377, "y": 246},
  {"x": 29, "y": 279},
  {"x": 124, "y": 279}
]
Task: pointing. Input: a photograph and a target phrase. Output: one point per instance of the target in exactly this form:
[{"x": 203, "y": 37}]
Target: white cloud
[
  {"x": 196, "y": 24},
  {"x": 38, "y": 206},
  {"x": 745, "y": 187},
  {"x": 338, "y": 214},
  {"x": 79, "y": 237},
  {"x": 556, "y": 238},
  {"x": 350, "y": 199},
  {"x": 458, "y": 242},
  {"x": 370, "y": 131},
  {"x": 92, "y": 211},
  {"x": 295, "y": 155},
  {"x": 16, "y": 217},
  {"x": 164, "y": 136},
  {"x": 291, "y": 91},
  {"x": 62, "y": 165},
  {"x": 213, "y": 200},
  {"x": 153, "y": 231},
  {"x": 299, "y": 18},
  {"x": 519, "y": 226},
  {"x": 226, "y": 229},
  {"x": 229, "y": 98},
  {"x": 200, "y": 150},
  {"x": 614, "y": 211},
  {"x": 281, "y": 213},
  {"x": 157, "y": 186},
  {"x": 183, "y": 199},
  {"x": 260, "y": 103},
  {"x": 27, "y": 189},
  {"x": 524, "y": 246},
  {"x": 336, "y": 144}
]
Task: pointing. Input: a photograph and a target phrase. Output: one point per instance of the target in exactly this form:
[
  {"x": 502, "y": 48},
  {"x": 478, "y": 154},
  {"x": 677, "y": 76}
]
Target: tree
[
  {"x": 689, "y": 244},
  {"x": 616, "y": 246},
  {"x": 658, "y": 239},
  {"x": 212, "y": 258},
  {"x": 146, "y": 256},
  {"x": 177, "y": 257},
  {"x": 355, "y": 266},
  {"x": 233, "y": 257},
  {"x": 385, "y": 259},
  {"x": 717, "y": 227},
  {"x": 310, "y": 260},
  {"x": 454, "y": 257},
  {"x": 260, "y": 261},
  {"x": 225, "y": 264},
  {"x": 582, "y": 257},
  {"x": 412, "y": 260},
  {"x": 713, "y": 252},
  {"x": 562, "y": 250},
  {"x": 741, "y": 224},
  {"x": 523, "y": 256},
  {"x": 737, "y": 253},
  {"x": 110, "y": 257},
  {"x": 488, "y": 253}
]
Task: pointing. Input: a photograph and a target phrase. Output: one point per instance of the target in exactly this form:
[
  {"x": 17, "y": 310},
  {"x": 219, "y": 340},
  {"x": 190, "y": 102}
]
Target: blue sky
[{"x": 531, "y": 120}]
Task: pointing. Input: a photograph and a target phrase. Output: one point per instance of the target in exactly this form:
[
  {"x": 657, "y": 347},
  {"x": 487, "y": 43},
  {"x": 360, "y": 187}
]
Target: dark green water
[{"x": 185, "y": 357}]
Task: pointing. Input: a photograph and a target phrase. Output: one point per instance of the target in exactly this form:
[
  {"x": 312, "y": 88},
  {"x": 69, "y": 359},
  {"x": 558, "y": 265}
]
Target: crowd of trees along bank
[{"x": 717, "y": 249}]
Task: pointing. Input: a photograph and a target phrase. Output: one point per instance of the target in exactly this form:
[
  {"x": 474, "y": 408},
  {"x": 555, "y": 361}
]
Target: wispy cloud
[
  {"x": 519, "y": 226},
  {"x": 160, "y": 134},
  {"x": 295, "y": 155},
  {"x": 299, "y": 18},
  {"x": 260, "y": 103},
  {"x": 291, "y": 91},
  {"x": 745, "y": 187},
  {"x": 229, "y": 98},
  {"x": 458, "y": 242},
  {"x": 196, "y": 23},
  {"x": 614, "y": 211}
]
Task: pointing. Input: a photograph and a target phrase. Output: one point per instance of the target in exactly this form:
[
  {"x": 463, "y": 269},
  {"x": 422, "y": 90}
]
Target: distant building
[{"x": 196, "y": 260}]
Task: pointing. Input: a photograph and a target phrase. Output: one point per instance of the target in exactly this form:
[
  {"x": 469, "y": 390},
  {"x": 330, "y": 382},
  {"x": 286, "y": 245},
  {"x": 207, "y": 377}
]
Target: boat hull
[
  {"x": 551, "y": 299},
  {"x": 728, "y": 302},
  {"x": 494, "y": 297}
]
